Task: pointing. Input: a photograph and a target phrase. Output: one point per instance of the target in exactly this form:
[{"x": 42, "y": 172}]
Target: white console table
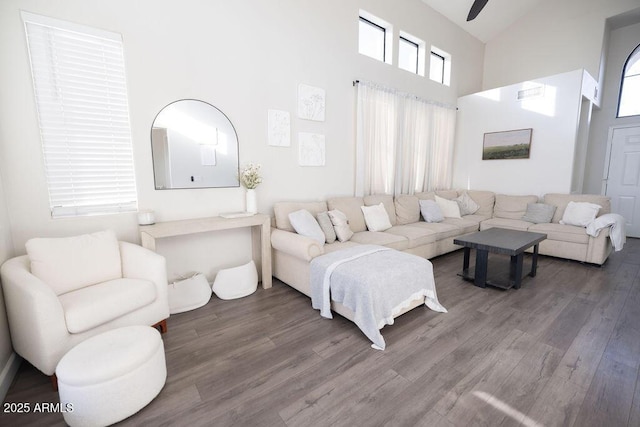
[{"x": 260, "y": 232}]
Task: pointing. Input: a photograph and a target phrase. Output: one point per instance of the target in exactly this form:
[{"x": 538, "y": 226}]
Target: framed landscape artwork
[{"x": 510, "y": 144}]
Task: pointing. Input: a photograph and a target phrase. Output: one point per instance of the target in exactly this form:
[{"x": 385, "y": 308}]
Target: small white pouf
[
  {"x": 111, "y": 376},
  {"x": 189, "y": 294},
  {"x": 236, "y": 282}
]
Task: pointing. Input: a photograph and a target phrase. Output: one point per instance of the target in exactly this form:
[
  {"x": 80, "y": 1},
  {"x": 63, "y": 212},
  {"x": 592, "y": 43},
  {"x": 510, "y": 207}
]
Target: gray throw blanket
[{"x": 375, "y": 282}]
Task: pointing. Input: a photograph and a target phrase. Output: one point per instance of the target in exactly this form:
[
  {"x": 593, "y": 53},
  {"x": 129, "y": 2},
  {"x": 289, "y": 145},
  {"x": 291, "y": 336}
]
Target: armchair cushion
[
  {"x": 89, "y": 307},
  {"x": 70, "y": 263}
]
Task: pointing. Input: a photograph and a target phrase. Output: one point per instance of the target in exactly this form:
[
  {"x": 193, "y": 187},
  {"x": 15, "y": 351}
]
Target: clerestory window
[{"x": 375, "y": 37}]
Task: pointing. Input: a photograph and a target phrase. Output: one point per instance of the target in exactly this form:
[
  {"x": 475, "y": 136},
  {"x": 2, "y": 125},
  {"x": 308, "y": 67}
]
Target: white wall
[
  {"x": 244, "y": 57},
  {"x": 621, "y": 43},
  {"x": 581, "y": 147},
  {"x": 554, "y": 120},
  {"x": 8, "y": 361},
  {"x": 555, "y": 37}
]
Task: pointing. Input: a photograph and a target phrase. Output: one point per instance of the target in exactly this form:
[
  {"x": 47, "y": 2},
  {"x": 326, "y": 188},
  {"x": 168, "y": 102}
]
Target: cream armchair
[{"x": 66, "y": 290}]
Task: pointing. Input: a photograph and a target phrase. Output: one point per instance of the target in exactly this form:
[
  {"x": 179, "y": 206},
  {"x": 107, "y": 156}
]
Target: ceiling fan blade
[{"x": 475, "y": 9}]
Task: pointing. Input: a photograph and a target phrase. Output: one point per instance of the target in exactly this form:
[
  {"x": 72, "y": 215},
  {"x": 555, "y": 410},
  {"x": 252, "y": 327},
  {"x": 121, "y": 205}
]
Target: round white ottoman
[{"x": 111, "y": 376}]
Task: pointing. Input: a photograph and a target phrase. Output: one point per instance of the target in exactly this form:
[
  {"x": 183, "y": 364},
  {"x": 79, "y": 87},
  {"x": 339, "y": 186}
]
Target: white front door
[{"x": 622, "y": 178}]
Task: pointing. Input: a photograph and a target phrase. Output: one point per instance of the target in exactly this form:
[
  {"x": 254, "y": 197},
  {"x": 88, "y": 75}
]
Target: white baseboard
[{"x": 8, "y": 374}]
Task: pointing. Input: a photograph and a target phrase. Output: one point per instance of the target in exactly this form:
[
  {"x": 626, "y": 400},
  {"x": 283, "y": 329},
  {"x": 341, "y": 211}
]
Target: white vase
[{"x": 252, "y": 205}]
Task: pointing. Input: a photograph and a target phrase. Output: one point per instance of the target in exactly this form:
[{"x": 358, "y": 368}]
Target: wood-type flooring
[{"x": 564, "y": 350}]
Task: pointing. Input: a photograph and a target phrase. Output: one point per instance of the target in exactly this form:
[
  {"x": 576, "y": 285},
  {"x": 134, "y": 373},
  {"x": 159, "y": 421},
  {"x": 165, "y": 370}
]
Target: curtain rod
[{"x": 407, "y": 94}]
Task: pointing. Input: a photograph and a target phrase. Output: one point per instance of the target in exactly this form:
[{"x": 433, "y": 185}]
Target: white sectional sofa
[
  {"x": 563, "y": 241},
  {"x": 293, "y": 252}
]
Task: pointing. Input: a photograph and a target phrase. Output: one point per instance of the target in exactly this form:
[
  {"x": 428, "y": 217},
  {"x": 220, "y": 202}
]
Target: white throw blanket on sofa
[
  {"x": 617, "y": 232},
  {"x": 374, "y": 282}
]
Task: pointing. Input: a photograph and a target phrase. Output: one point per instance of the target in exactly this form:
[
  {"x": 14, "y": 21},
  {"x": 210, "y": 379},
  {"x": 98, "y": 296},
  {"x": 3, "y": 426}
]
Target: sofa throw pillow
[
  {"x": 306, "y": 225},
  {"x": 430, "y": 211},
  {"x": 580, "y": 213},
  {"x": 450, "y": 208},
  {"x": 466, "y": 204},
  {"x": 539, "y": 213},
  {"x": 326, "y": 226},
  {"x": 407, "y": 209},
  {"x": 376, "y": 217},
  {"x": 340, "y": 225}
]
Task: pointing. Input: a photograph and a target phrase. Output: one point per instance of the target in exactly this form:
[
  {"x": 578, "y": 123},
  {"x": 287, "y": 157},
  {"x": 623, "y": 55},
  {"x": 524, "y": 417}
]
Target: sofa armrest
[
  {"x": 599, "y": 248},
  {"x": 294, "y": 244},
  {"x": 36, "y": 318},
  {"x": 142, "y": 263}
]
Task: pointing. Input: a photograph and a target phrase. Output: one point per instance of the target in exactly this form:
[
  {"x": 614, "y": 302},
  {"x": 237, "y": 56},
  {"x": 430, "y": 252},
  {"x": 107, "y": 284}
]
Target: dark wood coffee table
[{"x": 500, "y": 241}]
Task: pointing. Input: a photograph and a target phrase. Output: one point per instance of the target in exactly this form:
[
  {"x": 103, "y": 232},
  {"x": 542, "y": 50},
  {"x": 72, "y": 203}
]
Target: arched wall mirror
[{"x": 194, "y": 145}]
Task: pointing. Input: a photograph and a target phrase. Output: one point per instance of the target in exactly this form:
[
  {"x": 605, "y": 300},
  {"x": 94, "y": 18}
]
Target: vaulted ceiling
[{"x": 496, "y": 16}]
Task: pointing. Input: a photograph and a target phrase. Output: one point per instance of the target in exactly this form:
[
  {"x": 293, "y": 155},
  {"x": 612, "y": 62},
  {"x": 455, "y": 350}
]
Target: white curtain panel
[
  {"x": 439, "y": 169},
  {"x": 404, "y": 144},
  {"x": 376, "y": 135}
]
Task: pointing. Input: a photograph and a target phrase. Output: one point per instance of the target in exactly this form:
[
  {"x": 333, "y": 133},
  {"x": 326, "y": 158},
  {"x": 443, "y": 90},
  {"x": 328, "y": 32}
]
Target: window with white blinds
[{"x": 81, "y": 96}]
